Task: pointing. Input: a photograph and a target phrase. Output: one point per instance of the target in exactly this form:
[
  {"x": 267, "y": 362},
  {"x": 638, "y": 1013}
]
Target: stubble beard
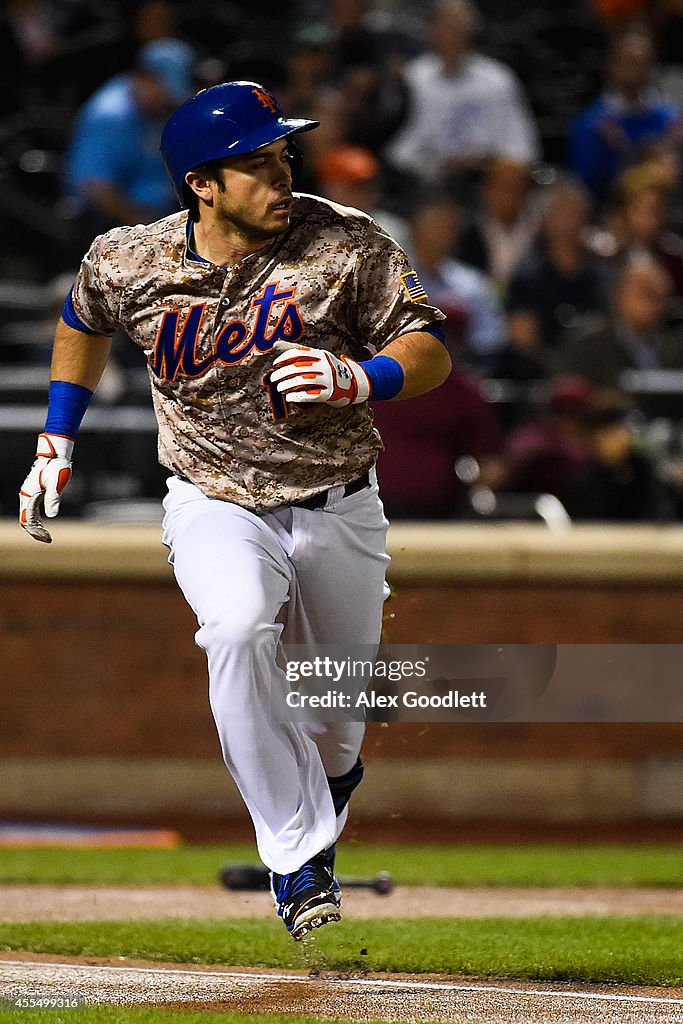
[{"x": 231, "y": 222}]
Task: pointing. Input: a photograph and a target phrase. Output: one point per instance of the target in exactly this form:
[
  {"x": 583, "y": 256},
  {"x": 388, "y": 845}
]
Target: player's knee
[{"x": 240, "y": 629}]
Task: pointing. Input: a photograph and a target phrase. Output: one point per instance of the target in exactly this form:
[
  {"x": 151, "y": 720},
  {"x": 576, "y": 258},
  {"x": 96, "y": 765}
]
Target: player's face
[{"x": 253, "y": 196}]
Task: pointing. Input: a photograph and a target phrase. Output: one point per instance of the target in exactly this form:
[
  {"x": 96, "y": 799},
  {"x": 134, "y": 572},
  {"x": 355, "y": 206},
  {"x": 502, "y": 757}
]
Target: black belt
[{"x": 318, "y": 500}]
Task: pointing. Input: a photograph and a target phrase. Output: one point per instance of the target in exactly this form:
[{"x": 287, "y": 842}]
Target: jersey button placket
[{"x": 222, "y": 315}]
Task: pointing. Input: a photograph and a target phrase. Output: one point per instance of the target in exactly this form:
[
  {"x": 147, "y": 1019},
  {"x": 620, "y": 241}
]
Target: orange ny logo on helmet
[{"x": 265, "y": 99}]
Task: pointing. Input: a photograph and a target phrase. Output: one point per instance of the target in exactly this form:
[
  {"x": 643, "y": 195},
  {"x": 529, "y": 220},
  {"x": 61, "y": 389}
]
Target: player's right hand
[{"x": 49, "y": 475}]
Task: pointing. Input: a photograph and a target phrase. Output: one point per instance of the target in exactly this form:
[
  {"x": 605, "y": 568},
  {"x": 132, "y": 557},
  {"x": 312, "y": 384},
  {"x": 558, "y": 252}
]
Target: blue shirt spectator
[
  {"x": 113, "y": 164},
  {"x": 629, "y": 112}
]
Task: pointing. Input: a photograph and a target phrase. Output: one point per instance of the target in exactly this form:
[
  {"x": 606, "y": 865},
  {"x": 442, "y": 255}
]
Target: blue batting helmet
[{"x": 226, "y": 120}]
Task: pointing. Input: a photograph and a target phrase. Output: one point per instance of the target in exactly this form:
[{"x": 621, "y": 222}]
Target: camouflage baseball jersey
[{"x": 334, "y": 280}]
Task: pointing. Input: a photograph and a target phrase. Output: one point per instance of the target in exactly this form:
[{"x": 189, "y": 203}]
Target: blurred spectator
[
  {"x": 618, "y": 14},
  {"x": 34, "y": 27},
  {"x": 66, "y": 50},
  {"x": 634, "y": 336},
  {"x": 621, "y": 481},
  {"x": 114, "y": 168},
  {"x": 464, "y": 107},
  {"x": 30, "y": 34},
  {"x": 345, "y": 73},
  {"x": 630, "y": 111},
  {"x": 638, "y": 226},
  {"x": 449, "y": 282},
  {"x": 309, "y": 61},
  {"x": 560, "y": 282},
  {"x": 350, "y": 175},
  {"x": 367, "y": 60},
  {"x": 666, "y": 17},
  {"x": 425, "y": 438},
  {"x": 546, "y": 455},
  {"x": 502, "y": 230},
  {"x": 155, "y": 19},
  {"x": 365, "y": 38},
  {"x": 329, "y": 107},
  {"x": 667, "y": 157}
]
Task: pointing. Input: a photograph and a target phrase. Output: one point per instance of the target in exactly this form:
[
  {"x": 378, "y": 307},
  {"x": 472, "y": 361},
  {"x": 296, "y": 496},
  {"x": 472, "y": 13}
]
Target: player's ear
[{"x": 200, "y": 183}]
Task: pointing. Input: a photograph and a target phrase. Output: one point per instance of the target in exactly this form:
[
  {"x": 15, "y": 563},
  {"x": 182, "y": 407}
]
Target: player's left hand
[{"x": 303, "y": 374}]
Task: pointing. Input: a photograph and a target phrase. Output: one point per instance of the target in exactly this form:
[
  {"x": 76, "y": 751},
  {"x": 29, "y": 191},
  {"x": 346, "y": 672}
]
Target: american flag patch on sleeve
[{"x": 412, "y": 284}]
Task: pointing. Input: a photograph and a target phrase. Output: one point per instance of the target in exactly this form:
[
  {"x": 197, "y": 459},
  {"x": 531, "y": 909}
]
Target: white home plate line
[{"x": 346, "y": 983}]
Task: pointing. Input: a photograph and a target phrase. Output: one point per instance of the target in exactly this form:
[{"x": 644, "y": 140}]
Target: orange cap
[{"x": 348, "y": 164}]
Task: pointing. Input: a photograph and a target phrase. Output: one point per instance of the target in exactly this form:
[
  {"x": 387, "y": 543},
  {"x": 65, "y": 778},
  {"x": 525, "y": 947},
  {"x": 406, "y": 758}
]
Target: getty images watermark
[
  {"x": 365, "y": 670},
  {"x": 480, "y": 682}
]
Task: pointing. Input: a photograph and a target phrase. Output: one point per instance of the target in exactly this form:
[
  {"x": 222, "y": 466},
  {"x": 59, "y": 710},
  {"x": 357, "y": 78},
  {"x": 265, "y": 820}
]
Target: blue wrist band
[
  {"x": 66, "y": 407},
  {"x": 386, "y": 377}
]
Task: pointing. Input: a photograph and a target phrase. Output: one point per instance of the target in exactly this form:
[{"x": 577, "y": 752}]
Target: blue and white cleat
[{"x": 309, "y": 897}]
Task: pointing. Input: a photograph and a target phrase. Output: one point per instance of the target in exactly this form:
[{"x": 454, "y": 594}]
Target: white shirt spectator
[
  {"x": 507, "y": 247},
  {"x": 475, "y": 112}
]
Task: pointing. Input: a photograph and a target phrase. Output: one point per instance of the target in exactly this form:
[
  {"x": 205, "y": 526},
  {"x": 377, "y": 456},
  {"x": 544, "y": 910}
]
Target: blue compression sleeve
[
  {"x": 66, "y": 407},
  {"x": 435, "y": 330},
  {"x": 71, "y": 317},
  {"x": 386, "y": 377}
]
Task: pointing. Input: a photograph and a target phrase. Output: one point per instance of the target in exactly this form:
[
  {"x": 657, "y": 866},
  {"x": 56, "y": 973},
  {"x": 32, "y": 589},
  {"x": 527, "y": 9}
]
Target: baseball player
[{"x": 268, "y": 319}]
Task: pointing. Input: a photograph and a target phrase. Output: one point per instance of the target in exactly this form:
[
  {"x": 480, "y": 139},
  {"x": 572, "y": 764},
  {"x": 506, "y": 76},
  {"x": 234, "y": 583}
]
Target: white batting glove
[
  {"x": 49, "y": 475},
  {"x": 303, "y": 374}
]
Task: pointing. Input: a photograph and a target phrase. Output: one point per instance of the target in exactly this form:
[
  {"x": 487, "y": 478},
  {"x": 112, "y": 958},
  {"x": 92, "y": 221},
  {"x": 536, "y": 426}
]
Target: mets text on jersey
[{"x": 176, "y": 351}]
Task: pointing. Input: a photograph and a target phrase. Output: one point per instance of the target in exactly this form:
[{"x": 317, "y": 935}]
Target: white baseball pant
[{"x": 257, "y": 583}]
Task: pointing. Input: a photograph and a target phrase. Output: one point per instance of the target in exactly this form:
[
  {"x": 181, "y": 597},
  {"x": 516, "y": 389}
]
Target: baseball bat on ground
[
  {"x": 255, "y": 878},
  {"x": 382, "y": 883},
  {"x": 249, "y": 877}
]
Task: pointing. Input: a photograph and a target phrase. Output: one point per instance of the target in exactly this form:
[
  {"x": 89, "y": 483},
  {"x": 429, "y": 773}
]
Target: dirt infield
[
  {"x": 110, "y": 903},
  {"x": 372, "y": 997}
]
